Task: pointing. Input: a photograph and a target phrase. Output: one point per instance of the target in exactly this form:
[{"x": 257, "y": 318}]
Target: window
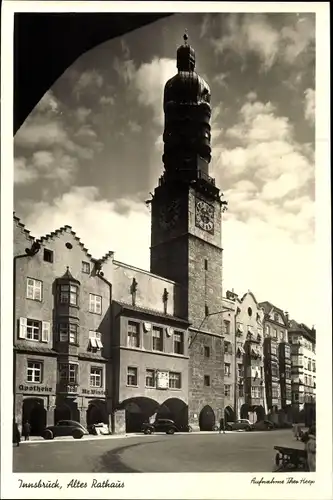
[
  {"x": 313, "y": 366},
  {"x": 267, "y": 331},
  {"x": 69, "y": 294},
  {"x": 174, "y": 380},
  {"x": 249, "y": 311},
  {"x": 206, "y": 310},
  {"x": 255, "y": 392},
  {"x": 34, "y": 372},
  {"x": 68, "y": 332},
  {"x": 206, "y": 264},
  {"x": 309, "y": 364},
  {"x": 275, "y": 392},
  {"x": 306, "y": 380},
  {"x": 207, "y": 351},
  {"x": 34, "y": 289},
  {"x": 207, "y": 380},
  {"x": 240, "y": 370},
  {"x": 132, "y": 376},
  {"x": 276, "y": 317},
  {"x": 287, "y": 351},
  {"x": 275, "y": 371},
  {"x": 227, "y": 390},
  {"x": 178, "y": 343},
  {"x": 95, "y": 340},
  {"x": 226, "y": 324},
  {"x": 157, "y": 339},
  {"x": 95, "y": 304},
  {"x": 288, "y": 372},
  {"x": 33, "y": 329},
  {"x": 281, "y": 335},
  {"x": 68, "y": 373},
  {"x": 296, "y": 396},
  {"x": 310, "y": 380},
  {"x": 227, "y": 347},
  {"x": 96, "y": 377},
  {"x": 240, "y": 390},
  {"x": 85, "y": 267},
  {"x": 273, "y": 348},
  {"x": 275, "y": 333},
  {"x": 48, "y": 255},
  {"x": 133, "y": 334},
  {"x": 227, "y": 369},
  {"x": 150, "y": 378}
]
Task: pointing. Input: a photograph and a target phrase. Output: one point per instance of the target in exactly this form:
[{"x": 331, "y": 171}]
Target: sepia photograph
[{"x": 164, "y": 228}]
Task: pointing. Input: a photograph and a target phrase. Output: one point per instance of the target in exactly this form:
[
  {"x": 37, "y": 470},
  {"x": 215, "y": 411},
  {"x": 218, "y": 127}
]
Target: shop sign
[
  {"x": 34, "y": 388},
  {"x": 162, "y": 379},
  {"x": 94, "y": 392}
]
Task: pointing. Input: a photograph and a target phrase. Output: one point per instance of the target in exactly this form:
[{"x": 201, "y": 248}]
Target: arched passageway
[
  {"x": 96, "y": 413},
  {"x": 138, "y": 410},
  {"x": 244, "y": 411},
  {"x": 260, "y": 413},
  {"x": 207, "y": 419},
  {"x": 229, "y": 414},
  {"x": 33, "y": 411},
  {"x": 175, "y": 409}
]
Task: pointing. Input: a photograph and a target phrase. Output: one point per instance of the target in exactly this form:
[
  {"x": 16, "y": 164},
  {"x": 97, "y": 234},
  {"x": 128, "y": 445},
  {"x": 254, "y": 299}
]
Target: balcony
[{"x": 69, "y": 389}]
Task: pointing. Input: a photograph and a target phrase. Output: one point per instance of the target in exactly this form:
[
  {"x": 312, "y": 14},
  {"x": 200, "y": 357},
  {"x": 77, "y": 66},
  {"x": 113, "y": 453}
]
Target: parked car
[
  {"x": 264, "y": 425},
  {"x": 65, "y": 428},
  {"x": 241, "y": 424},
  {"x": 164, "y": 425}
]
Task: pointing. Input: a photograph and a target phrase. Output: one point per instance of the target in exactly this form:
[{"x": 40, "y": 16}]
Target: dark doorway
[
  {"x": 229, "y": 414},
  {"x": 62, "y": 412},
  {"x": 138, "y": 411},
  {"x": 207, "y": 419},
  {"x": 260, "y": 413},
  {"x": 244, "y": 411},
  {"x": 175, "y": 409},
  {"x": 34, "y": 412},
  {"x": 96, "y": 413}
]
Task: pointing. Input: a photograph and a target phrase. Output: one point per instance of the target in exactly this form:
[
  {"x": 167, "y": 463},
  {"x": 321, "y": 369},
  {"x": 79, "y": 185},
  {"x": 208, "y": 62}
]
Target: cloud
[
  {"x": 107, "y": 100},
  {"x": 99, "y": 223},
  {"x": 220, "y": 79},
  {"x": 82, "y": 114},
  {"x": 310, "y": 105},
  {"x": 88, "y": 81},
  {"x": 45, "y": 165},
  {"x": 257, "y": 33}
]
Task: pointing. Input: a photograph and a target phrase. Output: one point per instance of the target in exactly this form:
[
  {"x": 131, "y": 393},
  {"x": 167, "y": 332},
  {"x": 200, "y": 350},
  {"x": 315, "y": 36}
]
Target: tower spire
[{"x": 185, "y": 55}]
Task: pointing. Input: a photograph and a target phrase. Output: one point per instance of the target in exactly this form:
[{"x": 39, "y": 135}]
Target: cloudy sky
[{"x": 90, "y": 152}]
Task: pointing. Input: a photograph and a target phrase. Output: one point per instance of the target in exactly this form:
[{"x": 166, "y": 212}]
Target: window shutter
[
  {"x": 23, "y": 328},
  {"x": 45, "y": 331}
]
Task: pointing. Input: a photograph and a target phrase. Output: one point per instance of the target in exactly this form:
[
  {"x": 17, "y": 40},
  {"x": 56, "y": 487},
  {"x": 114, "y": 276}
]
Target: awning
[
  {"x": 99, "y": 344},
  {"x": 93, "y": 342},
  {"x": 147, "y": 327},
  {"x": 250, "y": 329},
  {"x": 169, "y": 331},
  {"x": 240, "y": 327}
]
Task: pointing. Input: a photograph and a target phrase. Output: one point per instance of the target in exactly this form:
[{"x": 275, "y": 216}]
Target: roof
[
  {"x": 22, "y": 226},
  {"x": 151, "y": 312},
  {"x": 57, "y": 232},
  {"x": 23, "y": 347},
  {"x": 301, "y": 328},
  {"x": 268, "y": 307}
]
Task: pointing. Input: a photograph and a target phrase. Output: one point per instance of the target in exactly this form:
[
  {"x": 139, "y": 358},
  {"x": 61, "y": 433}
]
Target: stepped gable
[
  {"x": 62, "y": 230},
  {"x": 22, "y": 227},
  {"x": 105, "y": 257}
]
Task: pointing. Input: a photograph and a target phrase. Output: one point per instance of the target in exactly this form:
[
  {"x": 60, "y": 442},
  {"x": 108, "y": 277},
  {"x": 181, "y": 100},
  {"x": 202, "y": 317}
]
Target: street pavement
[{"x": 202, "y": 452}]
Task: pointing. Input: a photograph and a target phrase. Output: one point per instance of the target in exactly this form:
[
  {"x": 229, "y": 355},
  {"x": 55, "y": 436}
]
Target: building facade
[
  {"x": 61, "y": 331},
  {"x": 302, "y": 340},
  {"x": 277, "y": 355}
]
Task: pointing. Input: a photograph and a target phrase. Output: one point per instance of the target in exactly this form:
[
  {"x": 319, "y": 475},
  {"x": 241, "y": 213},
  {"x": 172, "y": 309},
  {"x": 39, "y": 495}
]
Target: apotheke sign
[
  {"x": 34, "y": 388},
  {"x": 94, "y": 392}
]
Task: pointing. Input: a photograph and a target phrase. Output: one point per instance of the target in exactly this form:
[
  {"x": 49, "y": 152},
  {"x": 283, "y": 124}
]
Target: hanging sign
[{"x": 162, "y": 380}]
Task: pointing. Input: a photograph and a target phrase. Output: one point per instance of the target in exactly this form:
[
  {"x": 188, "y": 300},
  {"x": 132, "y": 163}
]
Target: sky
[{"x": 90, "y": 152}]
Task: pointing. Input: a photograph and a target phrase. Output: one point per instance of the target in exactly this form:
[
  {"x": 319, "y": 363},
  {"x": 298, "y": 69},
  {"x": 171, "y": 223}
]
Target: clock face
[
  {"x": 204, "y": 216},
  {"x": 169, "y": 214}
]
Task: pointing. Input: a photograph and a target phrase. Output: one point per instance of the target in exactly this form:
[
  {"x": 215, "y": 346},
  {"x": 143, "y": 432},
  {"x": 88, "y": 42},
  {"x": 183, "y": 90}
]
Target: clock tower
[{"x": 186, "y": 233}]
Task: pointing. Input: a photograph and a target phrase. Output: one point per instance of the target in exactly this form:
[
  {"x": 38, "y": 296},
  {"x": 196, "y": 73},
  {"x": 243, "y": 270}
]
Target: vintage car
[
  {"x": 242, "y": 424},
  {"x": 164, "y": 425},
  {"x": 65, "y": 428}
]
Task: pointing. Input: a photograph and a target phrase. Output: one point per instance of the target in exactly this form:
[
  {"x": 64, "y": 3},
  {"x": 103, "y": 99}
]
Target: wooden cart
[{"x": 290, "y": 459}]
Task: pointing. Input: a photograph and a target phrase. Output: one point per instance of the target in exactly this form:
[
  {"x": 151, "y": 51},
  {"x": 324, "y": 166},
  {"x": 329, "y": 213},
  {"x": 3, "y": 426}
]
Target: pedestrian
[
  {"x": 222, "y": 426},
  {"x": 26, "y": 430},
  {"x": 310, "y": 448},
  {"x": 16, "y": 434}
]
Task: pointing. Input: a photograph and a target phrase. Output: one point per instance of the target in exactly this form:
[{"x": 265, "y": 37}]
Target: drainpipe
[
  {"x": 100, "y": 275},
  {"x": 30, "y": 252},
  {"x": 235, "y": 366}
]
